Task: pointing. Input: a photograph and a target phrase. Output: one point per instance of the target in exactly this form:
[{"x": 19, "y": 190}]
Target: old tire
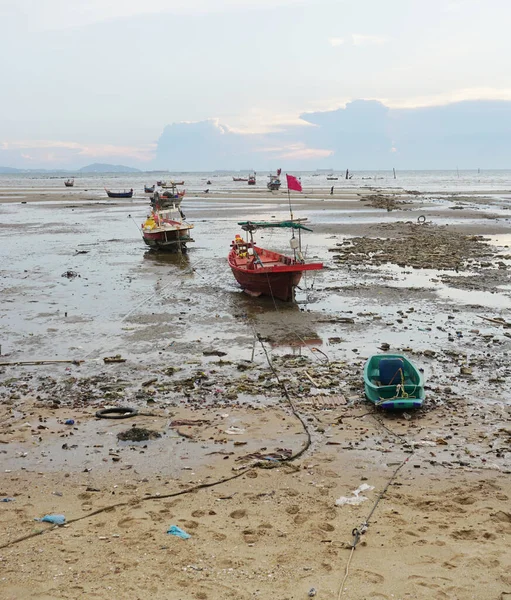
[{"x": 116, "y": 413}]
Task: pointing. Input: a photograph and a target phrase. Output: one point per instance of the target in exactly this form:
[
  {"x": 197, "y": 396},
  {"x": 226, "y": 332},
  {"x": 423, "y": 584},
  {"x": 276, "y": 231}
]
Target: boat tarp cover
[{"x": 266, "y": 224}]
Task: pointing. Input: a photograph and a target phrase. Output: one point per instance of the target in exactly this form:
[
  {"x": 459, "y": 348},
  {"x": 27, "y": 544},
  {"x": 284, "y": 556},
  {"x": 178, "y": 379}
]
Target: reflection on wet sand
[{"x": 180, "y": 260}]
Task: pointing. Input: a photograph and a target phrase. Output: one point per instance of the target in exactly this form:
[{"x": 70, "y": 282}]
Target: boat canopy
[{"x": 253, "y": 225}]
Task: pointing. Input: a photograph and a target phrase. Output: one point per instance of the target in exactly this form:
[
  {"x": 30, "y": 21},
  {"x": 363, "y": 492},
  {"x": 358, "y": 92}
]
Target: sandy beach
[{"x": 262, "y": 446}]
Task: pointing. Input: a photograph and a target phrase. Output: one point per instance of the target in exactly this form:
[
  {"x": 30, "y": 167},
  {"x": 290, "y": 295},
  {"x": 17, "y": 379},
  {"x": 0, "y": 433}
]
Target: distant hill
[
  {"x": 11, "y": 170},
  {"x": 105, "y": 168}
]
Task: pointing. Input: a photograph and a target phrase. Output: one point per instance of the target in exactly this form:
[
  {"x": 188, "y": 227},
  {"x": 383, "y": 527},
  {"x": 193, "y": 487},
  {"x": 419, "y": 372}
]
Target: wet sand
[{"x": 197, "y": 369}]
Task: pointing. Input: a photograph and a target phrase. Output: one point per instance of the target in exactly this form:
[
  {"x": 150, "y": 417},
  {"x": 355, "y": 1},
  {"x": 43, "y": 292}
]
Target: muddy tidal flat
[{"x": 252, "y": 434}]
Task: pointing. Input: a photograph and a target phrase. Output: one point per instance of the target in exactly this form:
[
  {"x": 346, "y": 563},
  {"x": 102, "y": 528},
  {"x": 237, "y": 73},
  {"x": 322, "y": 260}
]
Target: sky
[{"x": 238, "y": 84}]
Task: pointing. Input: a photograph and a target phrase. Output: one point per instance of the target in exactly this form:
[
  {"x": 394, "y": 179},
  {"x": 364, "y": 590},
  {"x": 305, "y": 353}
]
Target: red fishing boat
[
  {"x": 264, "y": 272},
  {"x": 252, "y": 179},
  {"x": 240, "y": 179}
]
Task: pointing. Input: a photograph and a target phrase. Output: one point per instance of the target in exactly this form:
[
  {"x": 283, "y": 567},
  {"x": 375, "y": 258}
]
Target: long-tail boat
[
  {"x": 265, "y": 272},
  {"x": 119, "y": 194},
  {"x": 167, "y": 229}
]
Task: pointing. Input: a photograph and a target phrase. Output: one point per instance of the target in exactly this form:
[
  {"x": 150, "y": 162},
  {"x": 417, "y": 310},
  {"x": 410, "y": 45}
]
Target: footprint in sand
[
  {"x": 501, "y": 517},
  {"x": 300, "y": 519},
  {"x": 238, "y": 514},
  {"x": 371, "y": 577},
  {"x": 293, "y": 509},
  {"x": 325, "y": 527},
  {"x": 466, "y": 534}
]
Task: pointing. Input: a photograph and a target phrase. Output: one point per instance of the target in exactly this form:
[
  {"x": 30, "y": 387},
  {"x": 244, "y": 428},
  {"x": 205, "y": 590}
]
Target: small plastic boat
[{"x": 391, "y": 381}]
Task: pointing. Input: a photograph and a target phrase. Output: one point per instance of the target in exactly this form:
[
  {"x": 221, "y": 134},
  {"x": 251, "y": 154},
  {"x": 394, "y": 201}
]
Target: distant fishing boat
[
  {"x": 391, "y": 381},
  {"x": 119, "y": 194},
  {"x": 252, "y": 179},
  {"x": 240, "y": 178},
  {"x": 69, "y": 182},
  {"x": 149, "y": 190},
  {"x": 171, "y": 195},
  {"x": 264, "y": 272},
  {"x": 274, "y": 183},
  {"x": 331, "y": 178},
  {"x": 170, "y": 184}
]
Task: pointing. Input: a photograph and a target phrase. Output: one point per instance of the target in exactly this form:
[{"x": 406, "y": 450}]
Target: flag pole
[{"x": 289, "y": 198}]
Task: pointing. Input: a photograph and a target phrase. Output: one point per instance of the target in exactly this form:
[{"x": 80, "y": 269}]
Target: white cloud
[
  {"x": 336, "y": 41},
  {"x": 359, "y": 39},
  {"x": 42, "y": 150},
  {"x": 298, "y": 151},
  {"x": 448, "y": 97}
]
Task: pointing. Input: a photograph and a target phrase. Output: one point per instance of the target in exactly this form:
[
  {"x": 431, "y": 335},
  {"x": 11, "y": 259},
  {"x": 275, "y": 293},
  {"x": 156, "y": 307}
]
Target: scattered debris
[
  {"x": 178, "y": 532},
  {"x": 114, "y": 359},
  {"x": 138, "y": 434}
]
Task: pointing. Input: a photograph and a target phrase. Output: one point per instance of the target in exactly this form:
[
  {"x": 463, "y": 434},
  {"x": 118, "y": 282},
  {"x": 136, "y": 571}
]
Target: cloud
[
  {"x": 368, "y": 40},
  {"x": 301, "y": 152},
  {"x": 336, "y": 41},
  {"x": 363, "y": 134},
  {"x": 57, "y": 153}
]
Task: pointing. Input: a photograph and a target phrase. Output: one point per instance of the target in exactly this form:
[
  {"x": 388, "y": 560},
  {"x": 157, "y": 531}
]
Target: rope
[
  {"x": 358, "y": 532},
  {"x": 291, "y": 404},
  {"x": 400, "y": 389},
  {"x": 346, "y": 573},
  {"x": 127, "y": 503}
]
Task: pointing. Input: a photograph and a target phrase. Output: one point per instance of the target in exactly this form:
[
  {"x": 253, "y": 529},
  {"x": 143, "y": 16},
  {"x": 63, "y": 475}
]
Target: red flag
[
  {"x": 293, "y": 183},
  {"x": 279, "y": 171}
]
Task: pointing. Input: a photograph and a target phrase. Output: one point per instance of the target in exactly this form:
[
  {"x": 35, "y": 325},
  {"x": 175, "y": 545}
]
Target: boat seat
[{"x": 391, "y": 371}]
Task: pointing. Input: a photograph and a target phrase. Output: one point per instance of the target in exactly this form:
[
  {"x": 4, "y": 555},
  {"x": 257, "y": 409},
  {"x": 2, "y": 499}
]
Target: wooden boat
[
  {"x": 391, "y": 381},
  {"x": 170, "y": 184},
  {"x": 264, "y": 272},
  {"x": 240, "y": 178},
  {"x": 167, "y": 230},
  {"x": 332, "y": 178},
  {"x": 171, "y": 195},
  {"x": 119, "y": 194},
  {"x": 252, "y": 179},
  {"x": 274, "y": 183},
  {"x": 69, "y": 182},
  {"x": 149, "y": 190}
]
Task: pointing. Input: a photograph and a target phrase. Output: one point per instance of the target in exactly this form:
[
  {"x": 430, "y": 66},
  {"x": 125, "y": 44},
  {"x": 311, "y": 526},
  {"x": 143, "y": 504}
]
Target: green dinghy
[{"x": 391, "y": 381}]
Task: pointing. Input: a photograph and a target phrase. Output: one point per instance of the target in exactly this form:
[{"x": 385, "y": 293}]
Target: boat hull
[
  {"x": 405, "y": 389},
  {"x": 170, "y": 241},
  {"x": 120, "y": 194},
  {"x": 277, "y": 285}
]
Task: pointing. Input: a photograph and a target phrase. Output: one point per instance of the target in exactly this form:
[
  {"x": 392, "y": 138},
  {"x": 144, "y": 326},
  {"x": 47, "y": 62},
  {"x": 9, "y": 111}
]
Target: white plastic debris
[
  {"x": 356, "y": 498},
  {"x": 235, "y": 431}
]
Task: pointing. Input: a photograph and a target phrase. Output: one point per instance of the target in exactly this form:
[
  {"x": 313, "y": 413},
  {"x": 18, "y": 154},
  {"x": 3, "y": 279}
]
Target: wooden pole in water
[{"x": 394, "y": 173}]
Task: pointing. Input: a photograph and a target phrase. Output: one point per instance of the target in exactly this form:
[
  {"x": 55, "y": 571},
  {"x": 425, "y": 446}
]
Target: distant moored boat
[{"x": 119, "y": 194}]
